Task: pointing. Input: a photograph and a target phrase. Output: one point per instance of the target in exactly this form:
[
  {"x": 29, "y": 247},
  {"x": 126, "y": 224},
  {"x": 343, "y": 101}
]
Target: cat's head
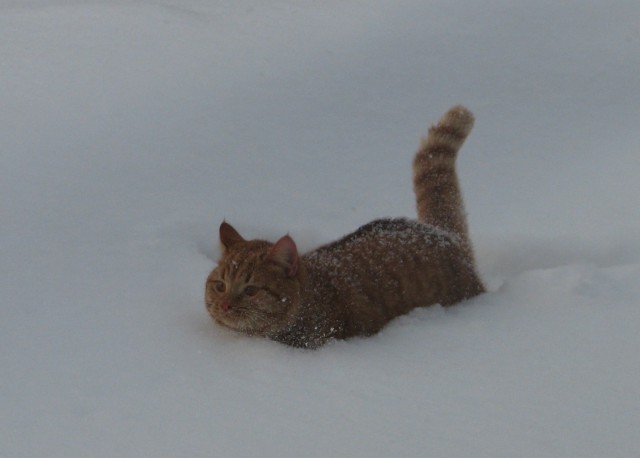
[{"x": 255, "y": 288}]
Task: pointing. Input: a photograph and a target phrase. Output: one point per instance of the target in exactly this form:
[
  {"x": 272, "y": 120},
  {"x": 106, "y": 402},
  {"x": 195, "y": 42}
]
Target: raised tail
[{"x": 435, "y": 182}]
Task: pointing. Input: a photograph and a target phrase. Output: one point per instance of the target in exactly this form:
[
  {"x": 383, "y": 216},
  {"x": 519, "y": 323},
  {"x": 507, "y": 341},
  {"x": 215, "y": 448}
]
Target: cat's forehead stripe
[{"x": 241, "y": 265}]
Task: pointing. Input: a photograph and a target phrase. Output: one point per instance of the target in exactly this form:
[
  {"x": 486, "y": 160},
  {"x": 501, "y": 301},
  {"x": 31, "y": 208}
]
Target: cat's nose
[{"x": 225, "y": 306}]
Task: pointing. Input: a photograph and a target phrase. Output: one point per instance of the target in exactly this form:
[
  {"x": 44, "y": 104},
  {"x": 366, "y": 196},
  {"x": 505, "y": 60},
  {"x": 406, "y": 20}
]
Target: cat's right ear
[{"x": 229, "y": 236}]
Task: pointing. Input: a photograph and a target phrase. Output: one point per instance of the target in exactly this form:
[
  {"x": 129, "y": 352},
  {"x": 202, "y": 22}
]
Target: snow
[{"x": 131, "y": 129}]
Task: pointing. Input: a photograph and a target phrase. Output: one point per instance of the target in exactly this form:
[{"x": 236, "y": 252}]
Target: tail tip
[{"x": 458, "y": 118}]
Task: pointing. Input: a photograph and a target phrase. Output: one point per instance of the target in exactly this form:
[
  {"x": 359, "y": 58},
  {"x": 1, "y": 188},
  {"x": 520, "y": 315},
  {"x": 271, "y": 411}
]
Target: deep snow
[{"x": 131, "y": 129}]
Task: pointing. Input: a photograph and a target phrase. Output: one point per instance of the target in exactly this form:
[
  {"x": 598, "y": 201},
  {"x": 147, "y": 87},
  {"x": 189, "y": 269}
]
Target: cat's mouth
[
  {"x": 226, "y": 324},
  {"x": 225, "y": 319},
  {"x": 237, "y": 322}
]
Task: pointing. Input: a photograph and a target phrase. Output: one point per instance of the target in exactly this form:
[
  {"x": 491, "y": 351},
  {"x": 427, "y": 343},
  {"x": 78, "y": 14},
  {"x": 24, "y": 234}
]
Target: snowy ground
[{"x": 129, "y": 130}]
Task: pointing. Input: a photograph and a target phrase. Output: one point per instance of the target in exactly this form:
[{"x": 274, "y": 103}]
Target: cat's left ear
[
  {"x": 285, "y": 253},
  {"x": 228, "y": 235}
]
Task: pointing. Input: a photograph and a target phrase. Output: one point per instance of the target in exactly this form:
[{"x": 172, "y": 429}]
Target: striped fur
[{"x": 438, "y": 195}]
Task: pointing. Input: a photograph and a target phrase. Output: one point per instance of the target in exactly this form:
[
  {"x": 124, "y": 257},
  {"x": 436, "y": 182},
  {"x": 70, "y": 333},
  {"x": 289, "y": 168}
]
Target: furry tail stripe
[{"x": 438, "y": 195}]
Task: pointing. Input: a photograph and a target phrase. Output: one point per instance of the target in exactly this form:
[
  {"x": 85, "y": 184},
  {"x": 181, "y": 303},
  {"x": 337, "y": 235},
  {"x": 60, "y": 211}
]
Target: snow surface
[{"x": 130, "y": 129}]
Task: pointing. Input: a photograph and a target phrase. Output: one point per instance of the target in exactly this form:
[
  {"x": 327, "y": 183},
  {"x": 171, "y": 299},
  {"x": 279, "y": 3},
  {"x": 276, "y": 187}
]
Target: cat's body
[{"x": 354, "y": 286}]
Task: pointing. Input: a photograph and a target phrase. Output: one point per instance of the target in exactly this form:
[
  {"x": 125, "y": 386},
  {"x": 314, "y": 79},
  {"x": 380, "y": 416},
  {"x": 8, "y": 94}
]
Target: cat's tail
[{"x": 435, "y": 182}]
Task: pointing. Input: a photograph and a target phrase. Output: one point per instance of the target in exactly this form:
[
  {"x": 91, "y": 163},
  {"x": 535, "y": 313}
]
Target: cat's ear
[
  {"x": 229, "y": 236},
  {"x": 285, "y": 253}
]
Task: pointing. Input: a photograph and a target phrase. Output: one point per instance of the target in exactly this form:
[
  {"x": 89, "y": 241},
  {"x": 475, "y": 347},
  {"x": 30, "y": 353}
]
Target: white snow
[{"x": 130, "y": 129}]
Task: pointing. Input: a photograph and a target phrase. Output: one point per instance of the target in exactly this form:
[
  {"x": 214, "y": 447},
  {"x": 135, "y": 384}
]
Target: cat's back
[
  {"x": 391, "y": 266},
  {"x": 398, "y": 239}
]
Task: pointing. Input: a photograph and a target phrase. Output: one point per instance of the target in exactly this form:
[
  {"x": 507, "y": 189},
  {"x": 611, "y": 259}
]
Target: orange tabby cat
[{"x": 354, "y": 286}]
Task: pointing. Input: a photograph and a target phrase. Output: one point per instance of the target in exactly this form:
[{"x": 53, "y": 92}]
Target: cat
[{"x": 354, "y": 286}]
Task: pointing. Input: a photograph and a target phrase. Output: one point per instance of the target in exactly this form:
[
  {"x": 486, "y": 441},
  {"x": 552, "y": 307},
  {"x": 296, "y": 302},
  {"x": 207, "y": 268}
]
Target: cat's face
[{"x": 252, "y": 290}]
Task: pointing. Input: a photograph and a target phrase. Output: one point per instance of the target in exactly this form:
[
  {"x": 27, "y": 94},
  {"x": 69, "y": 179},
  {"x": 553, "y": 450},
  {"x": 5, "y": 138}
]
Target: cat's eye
[
  {"x": 251, "y": 291},
  {"x": 219, "y": 286}
]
